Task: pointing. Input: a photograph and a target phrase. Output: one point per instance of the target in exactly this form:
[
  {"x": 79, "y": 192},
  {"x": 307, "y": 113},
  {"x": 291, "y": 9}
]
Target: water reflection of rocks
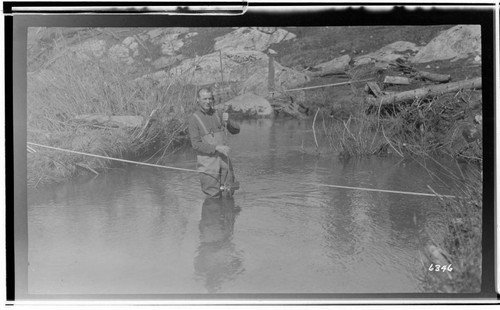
[{"x": 217, "y": 260}]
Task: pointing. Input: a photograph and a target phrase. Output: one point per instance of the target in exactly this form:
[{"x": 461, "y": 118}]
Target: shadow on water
[{"x": 217, "y": 259}]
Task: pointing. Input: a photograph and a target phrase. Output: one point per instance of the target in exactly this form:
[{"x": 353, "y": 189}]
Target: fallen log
[
  {"x": 373, "y": 86},
  {"x": 433, "y": 90},
  {"x": 397, "y": 80},
  {"x": 130, "y": 121},
  {"x": 435, "y": 77}
]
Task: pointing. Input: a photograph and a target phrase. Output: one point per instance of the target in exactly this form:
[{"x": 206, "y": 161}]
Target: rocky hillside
[
  {"x": 233, "y": 57},
  {"x": 237, "y": 59}
]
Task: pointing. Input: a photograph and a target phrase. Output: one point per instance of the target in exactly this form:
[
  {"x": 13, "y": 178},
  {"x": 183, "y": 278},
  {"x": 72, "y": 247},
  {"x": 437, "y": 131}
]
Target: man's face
[{"x": 206, "y": 100}]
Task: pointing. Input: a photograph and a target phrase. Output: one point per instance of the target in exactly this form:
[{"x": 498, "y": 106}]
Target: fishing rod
[
  {"x": 235, "y": 184},
  {"x": 196, "y": 171}
]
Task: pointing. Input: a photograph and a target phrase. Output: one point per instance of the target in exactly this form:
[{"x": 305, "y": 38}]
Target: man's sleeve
[{"x": 195, "y": 137}]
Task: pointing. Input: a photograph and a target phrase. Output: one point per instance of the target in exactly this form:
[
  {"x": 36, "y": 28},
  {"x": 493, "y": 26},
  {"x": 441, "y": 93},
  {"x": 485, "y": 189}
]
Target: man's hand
[{"x": 224, "y": 149}]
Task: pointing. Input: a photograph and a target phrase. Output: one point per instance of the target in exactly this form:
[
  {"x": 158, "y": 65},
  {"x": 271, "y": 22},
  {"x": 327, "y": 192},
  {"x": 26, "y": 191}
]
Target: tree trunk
[
  {"x": 435, "y": 77},
  {"x": 433, "y": 90},
  {"x": 397, "y": 80}
]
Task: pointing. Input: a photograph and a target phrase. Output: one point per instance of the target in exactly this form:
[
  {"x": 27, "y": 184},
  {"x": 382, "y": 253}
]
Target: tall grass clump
[
  {"x": 71, "y": 87},
  {"x": 355, "y": 132},
  {"x": 358, "y": 135},
  {"x": 454, "y": 238}
]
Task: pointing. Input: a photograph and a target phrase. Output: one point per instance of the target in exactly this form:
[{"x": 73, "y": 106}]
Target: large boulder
[
  {"x": 247, "y": 70},
  {"x": 389, "y": 53},
  {"x": 455, "y": 43},
  {"x": 252, "y": 38},
  {"x": 250, "y": 104}
]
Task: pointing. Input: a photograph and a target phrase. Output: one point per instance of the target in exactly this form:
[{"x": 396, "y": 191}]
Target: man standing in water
[{"x": 208, "y": 130}]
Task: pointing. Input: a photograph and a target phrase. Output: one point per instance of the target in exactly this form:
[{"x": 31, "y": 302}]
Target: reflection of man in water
[
  {"x": 217, "y": 260},
  {"x": 208, "y": 131}
]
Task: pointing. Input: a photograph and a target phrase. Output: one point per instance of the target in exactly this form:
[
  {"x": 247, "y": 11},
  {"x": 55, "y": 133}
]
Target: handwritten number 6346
[{"x": 441, "y": 268}]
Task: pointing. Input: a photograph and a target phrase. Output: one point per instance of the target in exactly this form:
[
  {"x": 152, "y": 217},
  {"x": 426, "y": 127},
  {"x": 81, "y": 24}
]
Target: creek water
[{"x": 145, "y": 230}]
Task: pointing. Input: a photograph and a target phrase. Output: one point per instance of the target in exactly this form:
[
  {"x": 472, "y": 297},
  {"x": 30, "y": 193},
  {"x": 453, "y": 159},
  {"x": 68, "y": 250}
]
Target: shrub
[{"x": 73, "y": 86}]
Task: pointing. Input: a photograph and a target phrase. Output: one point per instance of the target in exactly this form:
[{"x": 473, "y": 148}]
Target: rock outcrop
[
  {"x": 392, "y": 52},
  {"x": 248, "y": 70},
  {"x": 132, "y": 49},
  {"x": 252, "y": 38},
  {"x": 456, "y": 43}
]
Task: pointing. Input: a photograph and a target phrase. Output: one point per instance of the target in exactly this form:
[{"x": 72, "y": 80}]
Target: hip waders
[
  {"x": 217, "y": 184},
  {"x": 216, "y": 171}
]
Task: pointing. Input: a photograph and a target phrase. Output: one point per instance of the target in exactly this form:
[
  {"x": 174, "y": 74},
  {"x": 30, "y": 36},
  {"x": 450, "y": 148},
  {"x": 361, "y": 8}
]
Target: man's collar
[{"x": 209, "y": 112}]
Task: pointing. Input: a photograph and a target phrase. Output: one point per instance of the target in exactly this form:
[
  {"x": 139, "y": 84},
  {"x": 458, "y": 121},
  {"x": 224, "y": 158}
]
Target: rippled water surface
[{"x": 144, "y": 230}]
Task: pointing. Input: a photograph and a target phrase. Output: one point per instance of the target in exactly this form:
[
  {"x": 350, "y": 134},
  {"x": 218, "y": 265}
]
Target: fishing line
[
  {"x": 378, "y": 190},
  {"x": 112, "y": 158},
  {"x": 194, "y": 170},
  {"x": 361, "y": 188}
]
